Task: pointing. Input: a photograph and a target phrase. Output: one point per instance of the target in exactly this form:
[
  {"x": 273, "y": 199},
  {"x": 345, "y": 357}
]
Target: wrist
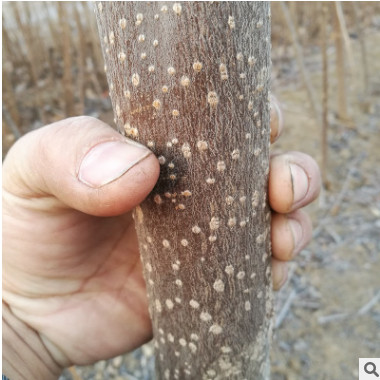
[{"x": 24, "y": 354}]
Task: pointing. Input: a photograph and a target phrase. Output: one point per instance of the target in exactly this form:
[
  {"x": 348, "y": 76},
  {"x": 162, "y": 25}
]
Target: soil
[
  {"x": 328, "y": 313},
  {"x": 334, "y": 290}
]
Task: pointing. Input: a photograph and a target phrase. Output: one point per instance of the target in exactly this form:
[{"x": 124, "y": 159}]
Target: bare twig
[
  {"x": 74, "y": 373},
  {"x": 301, "y": 62},
  {"x": 285, "y": 308},
  {"x": 307, "y": 304},
  {"x": 332, "y": 318},
  {"x": 325, "y": 94},
  {"x": 340, "y": 68},
  {"x": 81, "y": 61},
  {"x": 67, "y": 60},
  {"x": 11, "y": 124},
  {"x": 333, "y": 210},
  {"x": 344, "y": 32},
  {"x": 363, "y": 49},
  {"x": 368, "y": 306},
  {"x": 335, "y": 207},
  {"x": 339, "y": 316}
]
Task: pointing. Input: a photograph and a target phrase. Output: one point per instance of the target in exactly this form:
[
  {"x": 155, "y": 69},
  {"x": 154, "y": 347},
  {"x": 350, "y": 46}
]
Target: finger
[
  {"x": 294, "y": 181},
  {"x": 81, "y": 163},
  {"x": 290, "y": 234},
  {"x": 276, "y": 119},
  {"x": 279, "y": 273}
]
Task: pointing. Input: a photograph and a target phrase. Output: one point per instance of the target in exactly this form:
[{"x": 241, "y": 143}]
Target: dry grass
[
  {"x": 49, "y": 75},
  {"x": 53, "y": 66}
]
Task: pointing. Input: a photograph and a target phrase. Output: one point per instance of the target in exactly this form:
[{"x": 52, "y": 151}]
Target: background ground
[{"x": 328, "y": 313}]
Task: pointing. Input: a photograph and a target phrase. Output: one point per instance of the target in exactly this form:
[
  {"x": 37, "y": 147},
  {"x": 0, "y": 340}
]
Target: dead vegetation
[{"x": 326, "y": 60}]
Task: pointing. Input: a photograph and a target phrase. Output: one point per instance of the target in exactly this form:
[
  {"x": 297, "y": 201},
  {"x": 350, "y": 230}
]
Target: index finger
[{"x": 276, "y": 119}]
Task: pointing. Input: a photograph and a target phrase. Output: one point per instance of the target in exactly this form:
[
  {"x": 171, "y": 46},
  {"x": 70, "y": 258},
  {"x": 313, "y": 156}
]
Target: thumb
[{"x": 80, "y": 163}]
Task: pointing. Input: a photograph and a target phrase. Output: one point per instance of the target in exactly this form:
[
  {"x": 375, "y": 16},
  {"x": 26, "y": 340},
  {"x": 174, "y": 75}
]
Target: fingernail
[
  {"x": 300, "y": 182},
  {"x": 283, "y": 276},
  {"x": 276, "y": 117},
  {"x": 297, "y": 232},
  {"x": 108, "y": 161}
]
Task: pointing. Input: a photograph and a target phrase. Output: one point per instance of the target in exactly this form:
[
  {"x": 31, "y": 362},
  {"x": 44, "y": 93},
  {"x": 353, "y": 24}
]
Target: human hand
[
  {"x": 294, "y": 182},
  {"x": 71, "y": 266}
]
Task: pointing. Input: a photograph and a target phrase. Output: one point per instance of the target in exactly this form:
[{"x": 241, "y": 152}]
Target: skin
[{"x": 72, "y": 274}]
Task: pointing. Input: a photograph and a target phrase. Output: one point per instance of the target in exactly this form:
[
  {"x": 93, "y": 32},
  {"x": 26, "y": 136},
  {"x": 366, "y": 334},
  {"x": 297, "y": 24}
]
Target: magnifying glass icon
[{"x": 370, "y": 368}]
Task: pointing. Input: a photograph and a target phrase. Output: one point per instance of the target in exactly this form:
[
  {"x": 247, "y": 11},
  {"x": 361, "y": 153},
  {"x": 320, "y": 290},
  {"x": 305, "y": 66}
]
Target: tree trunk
[{"x": 190, "y": 80}]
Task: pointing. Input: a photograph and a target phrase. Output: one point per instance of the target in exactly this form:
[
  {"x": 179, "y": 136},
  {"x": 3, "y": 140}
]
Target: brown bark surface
[{"x": 190, "y": 81}]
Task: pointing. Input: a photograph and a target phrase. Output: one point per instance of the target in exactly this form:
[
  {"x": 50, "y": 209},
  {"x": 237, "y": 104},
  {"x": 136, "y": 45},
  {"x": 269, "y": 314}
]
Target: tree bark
[{"x": 190, "y": 80}]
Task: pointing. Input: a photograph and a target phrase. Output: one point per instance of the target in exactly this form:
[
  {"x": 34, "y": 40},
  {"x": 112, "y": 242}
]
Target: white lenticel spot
[
  {"x": 135, "y": 79},
  {"x": 185, "y": 81},
  {"x": 231, "y": 22},
  {"x": 251, "y": 61},
  {"x": 122, "y": 56},
  {"x": 223, "y": 71},
  {"x": 212, "y": 99},
  {"x": 235, "y": 154},
  {"x": 186, "y": 193},
  {"x": 216, "y": 329},
  {"x": 214, "y": 223},
  {"x": 171, "y": 70},
  {"x": 196, "y": 230},
  {"x": 197, "y": 66},
  {"x": 156, "y": 104},
  {"x": 177, "y": 8},
  {"x": 229, "y": 200},
  {"x": 206, "y": 317},
  {"x": 231, "y": 222},
  {"x": 220, "y": 166},
  {"x": 202, "y": 145},
  {"x": 194, "y": 304},
  {"x": 219, "y": 286},
  {"x": 193, "y": 347},
  {"x": 157, "y": 199},
  {"x": 175, "y": 267},
  {"x": 139, "y": 18},
  {"x": 158, "y": 306}
]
